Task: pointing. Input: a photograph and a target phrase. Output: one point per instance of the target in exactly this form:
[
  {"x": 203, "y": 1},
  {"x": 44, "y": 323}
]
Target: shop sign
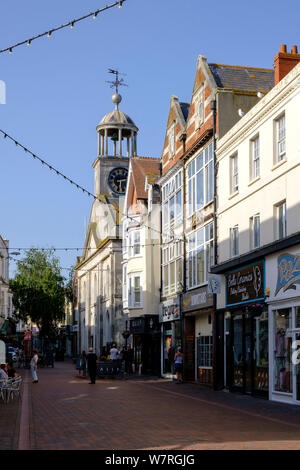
[
  {"x": 197, "y": 299},
  {"x": 171, "y": 313},
  {"x": 214, "y": 283},
  {"x": 246, "y": 284},
  {"x": 288, "y": 272}
]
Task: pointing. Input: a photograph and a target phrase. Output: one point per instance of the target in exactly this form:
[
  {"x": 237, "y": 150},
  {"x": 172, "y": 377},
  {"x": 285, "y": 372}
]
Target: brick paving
[{"x": 68, "y": 413}]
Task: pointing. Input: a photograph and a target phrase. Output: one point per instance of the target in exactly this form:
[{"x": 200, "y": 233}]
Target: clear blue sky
[{"x": 56, "y": 93}]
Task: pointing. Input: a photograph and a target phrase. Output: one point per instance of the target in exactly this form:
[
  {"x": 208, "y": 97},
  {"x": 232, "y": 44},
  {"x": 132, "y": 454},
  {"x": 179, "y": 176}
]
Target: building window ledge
[
  {"x": 254, "y": 180},
  {"x": 233, "y": 194},
  {"x": 278, "y": 164}
]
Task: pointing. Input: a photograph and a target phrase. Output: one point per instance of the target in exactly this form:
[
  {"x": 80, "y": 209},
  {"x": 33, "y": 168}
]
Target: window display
[
  {"x": 282, "y": 350},
  {"x": 171, "y": 341}
]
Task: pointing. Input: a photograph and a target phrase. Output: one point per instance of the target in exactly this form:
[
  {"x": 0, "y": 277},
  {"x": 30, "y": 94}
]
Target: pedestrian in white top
[
  {"x": 113, "y": 353},
  {"x": 33, "y": 365}
]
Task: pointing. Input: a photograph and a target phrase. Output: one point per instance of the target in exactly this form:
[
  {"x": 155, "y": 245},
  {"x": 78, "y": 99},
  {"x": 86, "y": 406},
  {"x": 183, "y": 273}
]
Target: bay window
[
  {"x": 200, "y": 255},
  {"x": 200, "y": 180},
  {"x": 172, "y": 199}
]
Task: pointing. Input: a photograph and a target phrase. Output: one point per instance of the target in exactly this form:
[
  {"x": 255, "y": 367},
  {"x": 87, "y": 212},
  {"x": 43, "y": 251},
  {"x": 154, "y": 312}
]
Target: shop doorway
[
  {"x": 189, "y": 349},
  {"x": 248, "y": 361}
]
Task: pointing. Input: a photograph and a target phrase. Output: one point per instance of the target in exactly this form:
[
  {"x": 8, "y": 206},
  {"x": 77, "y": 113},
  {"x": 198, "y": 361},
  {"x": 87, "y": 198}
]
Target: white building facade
[
  {"x": 141, "y": 262},
  {"x": 258, "y": 220}
]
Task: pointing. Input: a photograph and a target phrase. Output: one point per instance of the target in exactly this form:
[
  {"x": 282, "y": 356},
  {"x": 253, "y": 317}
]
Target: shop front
[
  {"x": 246, "y": 330},
  {"x": 283, "y": 284},
  {"x": 170, "y": 319},
  {"x": 146, "y": 344},
  {"x": 197, "y": 310}
]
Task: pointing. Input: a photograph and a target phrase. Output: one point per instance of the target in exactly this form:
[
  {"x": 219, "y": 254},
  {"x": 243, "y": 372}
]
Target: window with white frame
[
  {"x": 171, "y": 139},
  {"x": 234, "y": 240},
  {"x": 172, "y": 201},
  {"x": 234, "y": 173},
  {"x": 134, "y": 241},
  {"x": 172, "y": 267},
  {"x": 280, "y": 138},
  {"x": 255, "y": 158},
  {"x": 200, "y": 255},
  {"x": 281, "y": 230},
  {"x": 204, "y": 351},
  {"x": 200, "y": 173},
  {"x": 135, "y": 290},
  {"x": 255, "y": 231}
]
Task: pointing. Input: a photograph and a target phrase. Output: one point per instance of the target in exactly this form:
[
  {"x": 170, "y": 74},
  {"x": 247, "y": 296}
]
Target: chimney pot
[
  {"x": 283, "y": 48},
  {"x": 294, "y": 50}
]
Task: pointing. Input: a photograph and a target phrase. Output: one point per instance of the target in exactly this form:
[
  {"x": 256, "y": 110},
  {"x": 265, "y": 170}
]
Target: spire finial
[{"x": 116, "y": 97}]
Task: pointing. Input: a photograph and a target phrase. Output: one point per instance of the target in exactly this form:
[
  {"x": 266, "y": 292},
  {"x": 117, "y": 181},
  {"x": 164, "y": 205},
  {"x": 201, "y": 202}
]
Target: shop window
[
  {"x": 283, "y": 351},
  {"x": 204, "y": 351}
]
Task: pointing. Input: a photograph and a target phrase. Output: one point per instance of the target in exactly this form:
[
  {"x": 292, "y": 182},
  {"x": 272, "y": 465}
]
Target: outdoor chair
[
  {"x": 4, "y": 385},
  {"x": 11, "y": 388}
]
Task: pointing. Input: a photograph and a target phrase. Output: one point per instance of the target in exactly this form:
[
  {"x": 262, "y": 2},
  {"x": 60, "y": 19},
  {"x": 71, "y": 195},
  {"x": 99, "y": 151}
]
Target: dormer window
[{"x": 171, "y": 138}]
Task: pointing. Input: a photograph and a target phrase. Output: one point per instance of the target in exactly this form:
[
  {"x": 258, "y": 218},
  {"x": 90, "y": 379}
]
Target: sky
[{"x": 56, "y": 92}]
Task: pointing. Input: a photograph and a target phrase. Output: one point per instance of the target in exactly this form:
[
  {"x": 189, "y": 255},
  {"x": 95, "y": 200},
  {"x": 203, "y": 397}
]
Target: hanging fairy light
[{"x": 70, "y": 23}]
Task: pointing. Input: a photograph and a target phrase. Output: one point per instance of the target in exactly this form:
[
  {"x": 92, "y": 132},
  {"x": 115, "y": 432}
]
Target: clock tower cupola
[{"x": 117, "y": 143}]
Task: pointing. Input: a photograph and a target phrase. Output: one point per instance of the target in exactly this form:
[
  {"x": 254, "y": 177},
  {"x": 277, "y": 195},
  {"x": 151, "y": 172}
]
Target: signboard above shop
[
  {"x": 197, "y": 299},
  {"x": 246, "y": 284}
]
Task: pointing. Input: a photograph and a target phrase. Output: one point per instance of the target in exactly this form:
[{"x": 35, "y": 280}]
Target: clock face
[{"x": 117, "y": 179}]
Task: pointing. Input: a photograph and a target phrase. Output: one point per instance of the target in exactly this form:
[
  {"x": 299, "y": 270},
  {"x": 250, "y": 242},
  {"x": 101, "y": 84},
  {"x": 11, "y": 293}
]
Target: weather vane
[{"x": 117, "y": 81}]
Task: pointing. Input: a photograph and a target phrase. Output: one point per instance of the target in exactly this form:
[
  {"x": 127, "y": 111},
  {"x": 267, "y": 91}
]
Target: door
[
  {"x": 189, "y": 349},
  {"x": 249, "y": 358}
]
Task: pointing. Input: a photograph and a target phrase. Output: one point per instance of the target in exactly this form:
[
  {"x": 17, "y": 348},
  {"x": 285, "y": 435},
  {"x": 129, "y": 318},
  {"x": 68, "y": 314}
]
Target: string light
[
  {"x": 101, "y": 199},
  {"x": 70, "y": 23}
]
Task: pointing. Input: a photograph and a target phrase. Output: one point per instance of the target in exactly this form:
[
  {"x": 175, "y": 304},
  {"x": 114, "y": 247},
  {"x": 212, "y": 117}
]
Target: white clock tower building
[{"x": 101, "y": 319}]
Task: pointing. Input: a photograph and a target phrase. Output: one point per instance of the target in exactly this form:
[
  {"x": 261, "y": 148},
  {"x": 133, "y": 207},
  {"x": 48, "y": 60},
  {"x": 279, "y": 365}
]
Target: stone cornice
[{"x": 256, "y": 114}]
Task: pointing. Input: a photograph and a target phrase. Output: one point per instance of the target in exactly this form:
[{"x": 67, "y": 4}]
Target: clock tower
[{"x": 117, "y": 143}]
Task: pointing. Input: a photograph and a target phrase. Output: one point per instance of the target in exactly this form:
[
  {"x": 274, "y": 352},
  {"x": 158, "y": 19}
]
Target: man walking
[{"x": 92, "y": 365}]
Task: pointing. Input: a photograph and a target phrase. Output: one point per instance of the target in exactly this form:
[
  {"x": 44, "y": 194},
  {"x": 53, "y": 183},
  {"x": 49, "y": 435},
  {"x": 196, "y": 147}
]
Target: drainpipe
[{"x": 213, "y": 106}]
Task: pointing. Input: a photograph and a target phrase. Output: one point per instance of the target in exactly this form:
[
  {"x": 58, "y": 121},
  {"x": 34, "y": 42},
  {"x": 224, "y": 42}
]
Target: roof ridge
[
  {"x": 144, "y": 158},
  {"x": 241, "y": 67}
]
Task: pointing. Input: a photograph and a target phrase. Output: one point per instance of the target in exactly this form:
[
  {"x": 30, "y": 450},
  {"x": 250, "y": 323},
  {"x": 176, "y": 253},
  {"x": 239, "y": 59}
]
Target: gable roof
[
  {"x": 251, "y": 79},
  {"x": 142, "y": 167}
]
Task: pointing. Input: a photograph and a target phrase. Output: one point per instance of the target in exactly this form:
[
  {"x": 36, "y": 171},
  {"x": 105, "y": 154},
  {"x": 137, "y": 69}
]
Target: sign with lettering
[
  {"x": 288, "y": 274},
  {"x": 197, "y": 299},
  {"x": 245, "y": 284}
]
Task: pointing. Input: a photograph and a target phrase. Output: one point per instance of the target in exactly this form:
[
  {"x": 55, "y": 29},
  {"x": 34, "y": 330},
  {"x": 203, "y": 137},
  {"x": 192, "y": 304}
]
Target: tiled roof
[
  {"x": 141, "y": 168},
  {"x": 233, "y": 77},
  {"x": 185, "y": 107}
]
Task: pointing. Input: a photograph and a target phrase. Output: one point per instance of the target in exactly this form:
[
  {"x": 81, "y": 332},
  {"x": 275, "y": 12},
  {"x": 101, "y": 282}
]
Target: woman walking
[
  {"x": 33, "y": 365},
  {"x": 178, "y": 358}
]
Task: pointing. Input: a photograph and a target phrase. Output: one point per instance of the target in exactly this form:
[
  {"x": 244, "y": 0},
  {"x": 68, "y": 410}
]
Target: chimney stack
[{"x": 284, "y": 62}]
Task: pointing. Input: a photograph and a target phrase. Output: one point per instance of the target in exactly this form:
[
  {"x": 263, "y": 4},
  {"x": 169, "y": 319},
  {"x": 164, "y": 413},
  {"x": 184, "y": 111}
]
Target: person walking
[
  {"x": 92, "y": 365},
  {"x": 178, "y": 358},
  {"x": 33, "y": 365}
]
